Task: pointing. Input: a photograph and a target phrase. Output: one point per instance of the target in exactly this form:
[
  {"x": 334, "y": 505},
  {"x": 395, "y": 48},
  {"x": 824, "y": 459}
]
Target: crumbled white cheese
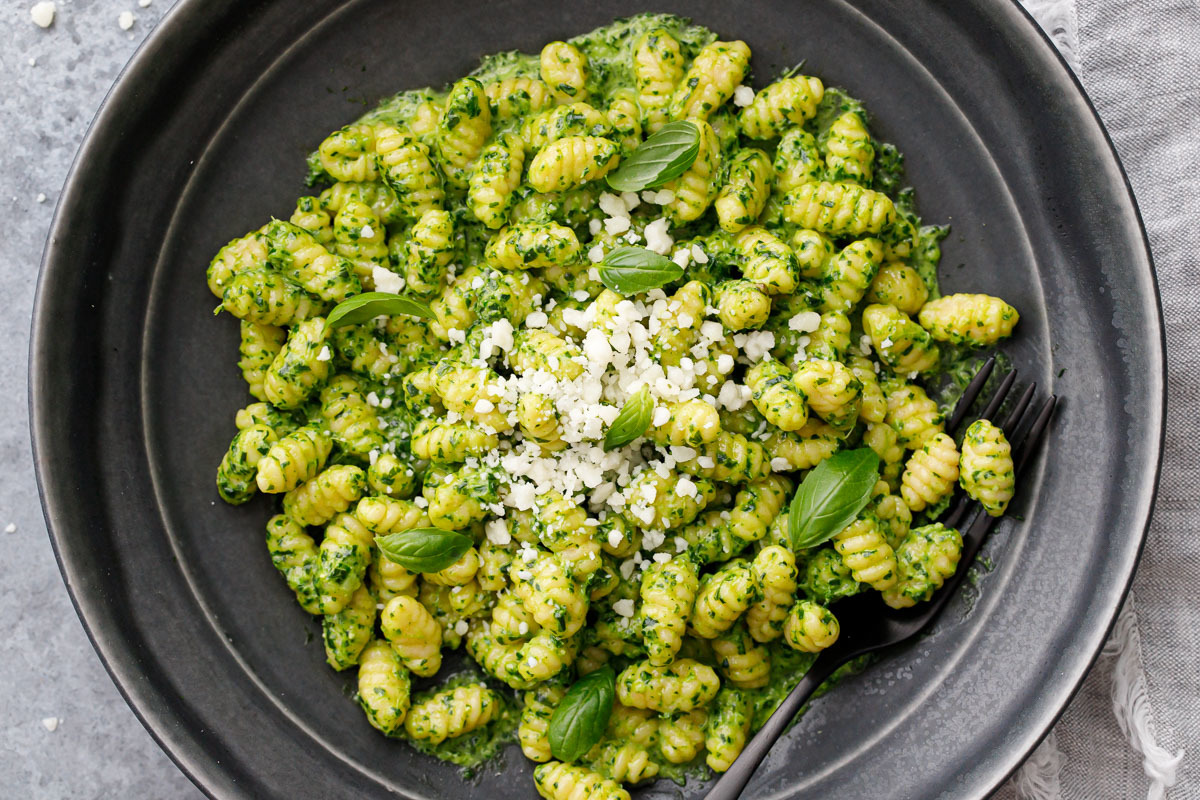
[
  {"x": 733, "y": 396},
  {"x": 662, "y": 558},
  {"x": 657, "y": 238},
  {"x": 497, "y": 532},
  {"x": 615, "y": 226},
  {"x": 595, "y": 226},
  {"x": 743, "y": 96},
  {"x": 624, "y": 607},
  {"x": 864, "y": 344},
  {"x": 33, "y": 61},
  {"x": 372, "y": 399},
  {"x": 537, "y": 319},
  {"x": 51, "y": 723},
  {"x": 456, "y": 335},
  {"x": 613, "y": 205},
  {"x": 805, "y": 322},
  {"x": 756, "y": 345},
  {"x": 41, "y": 198},
  {"x": 42, "y": 14},
  {"x": 10, "y": 527},
  {"x": 324, "y": 355},
  {"x": 664, "y": 197},
  {"x": 461, "y": 626},
  {"x": 662, "y": 415},
  {"x": 780, "y": 465},
  {"x": 682, "y": 258},
  {"x": 524, "y": 575},
  {"x": 144, "y": 3},
  {"x": 367, "y": 232},
  {"x": 125, "y": 20},
  {"x": 596, "y": 254},
  {"x": 685, "y": 487},
  {"x": 386, "y": 280},
  {"x": 681, "y": 544},
  {"x": 699, "y": 254}
]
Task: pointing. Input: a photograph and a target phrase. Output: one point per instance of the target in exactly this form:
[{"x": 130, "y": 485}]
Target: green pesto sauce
[
  {"x": 471, "y": 750},
  {"x": 609, "y": 54}
]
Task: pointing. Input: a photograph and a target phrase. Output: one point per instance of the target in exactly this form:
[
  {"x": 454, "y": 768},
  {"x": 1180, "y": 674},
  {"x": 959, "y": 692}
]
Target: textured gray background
[{"x": 48, "y": 667}]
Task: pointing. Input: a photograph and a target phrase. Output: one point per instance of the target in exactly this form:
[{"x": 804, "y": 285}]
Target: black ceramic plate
[{"x": 134, "y": 384}]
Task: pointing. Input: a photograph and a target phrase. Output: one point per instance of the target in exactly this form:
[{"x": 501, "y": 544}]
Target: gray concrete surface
[{"x": 47, "y": 667}]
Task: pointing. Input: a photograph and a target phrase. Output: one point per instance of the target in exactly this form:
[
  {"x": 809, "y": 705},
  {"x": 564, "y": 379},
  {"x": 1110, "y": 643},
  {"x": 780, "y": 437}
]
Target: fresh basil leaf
[
  {"x": 582, "y": 715},
  {"x": 424, "y": 549},
  {"x": 663, "y": 157},
  {"x": 633, "y": 420},
  {"x": 632, "y": 270},
  {"x": 830, "y": 497},
  {"x": 369, "y": 305}
]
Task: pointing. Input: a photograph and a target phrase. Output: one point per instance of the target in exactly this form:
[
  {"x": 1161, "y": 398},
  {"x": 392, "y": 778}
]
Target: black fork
[{"x": 866, "y": 622}]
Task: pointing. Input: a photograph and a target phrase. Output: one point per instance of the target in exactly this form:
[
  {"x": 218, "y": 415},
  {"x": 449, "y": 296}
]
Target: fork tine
[
  {"x": 1028, "y": 443},
  {"x": 1000, "y": 396},
  {"x": 1016, "y": 416},
  {"x": 970, "y": 393}
]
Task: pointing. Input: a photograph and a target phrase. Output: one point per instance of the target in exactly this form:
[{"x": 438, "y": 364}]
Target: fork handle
[{"x": 733, "y": 782}]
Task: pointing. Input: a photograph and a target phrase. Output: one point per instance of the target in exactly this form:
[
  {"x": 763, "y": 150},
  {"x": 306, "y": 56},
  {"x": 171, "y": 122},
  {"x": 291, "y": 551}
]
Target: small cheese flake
[
  {"x": 41, "y": 198},
  {"x": 616, "y": 225},
  {"x": 43, "y": 14},
  {"x": 685, "y": 487},
  {"x": 662, "y": 415},
  {"x": 33, "y": 61},
  {"x": 523, "y": 628},
  {"x": 51, "y": 723},
  {"x": 386, "y": 280},
  {"x": 624, "y": 607},
  {"x": 324, "y": 355},
  {"x": 537, "y": 319},
  {"x": 662, "y": 558},
  {"x": 627, "y": 567},
  {"x": 681, "y": 544},
  {"x": 682, "y": 258},
  {"x": 805, "y": 322},
  {"x": 864, "y": 344},
  {"x": 143, "y": 3},
  {"x": 780, "y": 465},
  {"x": 373, "y": 399},
  {"x": 657, "y": 238},
  {"x": 615, "y": 537},
  {"x": 484, "y": 406},
  {"x": 10, "y": 527},
  {"x": 461, "y": 626},
  {"x": 524, "y": 575},
  {"x": 699, "y": 255},
  {"x": 497, "y": 532},
  {"x": 743, "y": 96},
  {"x": 125, "y": 20},
  {"x": 596, "y": 255},
  {"x": 367, "y": 232}
]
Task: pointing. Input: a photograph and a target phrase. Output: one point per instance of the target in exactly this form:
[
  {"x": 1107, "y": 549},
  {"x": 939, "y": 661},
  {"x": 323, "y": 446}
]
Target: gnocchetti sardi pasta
[{"x": 620, "y": 463}]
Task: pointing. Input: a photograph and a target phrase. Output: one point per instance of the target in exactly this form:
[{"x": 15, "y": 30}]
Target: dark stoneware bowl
[{"x": 134, "y": 383}]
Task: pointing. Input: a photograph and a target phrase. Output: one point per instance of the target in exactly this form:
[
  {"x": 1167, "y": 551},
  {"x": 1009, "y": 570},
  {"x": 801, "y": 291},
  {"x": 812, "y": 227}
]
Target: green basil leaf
[
  {"x": 663, "y": 157},
  {"x": 582, "y": 715},
  {"x": 830, "y": 497},
  {"x": 632, "y": 270},
  {"x": 633, "y": 420},
  {"x": 424, "y": 549},
  {"x": 369, "y": 305}
]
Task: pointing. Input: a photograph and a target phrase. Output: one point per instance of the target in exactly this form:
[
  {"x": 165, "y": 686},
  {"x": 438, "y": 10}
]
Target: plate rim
[{"x": 117, "y": 661}]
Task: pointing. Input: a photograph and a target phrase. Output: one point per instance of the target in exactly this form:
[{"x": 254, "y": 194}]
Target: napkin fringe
[
  {"x": 1131, "y": 703},
  {"x": 1060, "y": 22},
  {"x": 1039, "y": 778}
]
